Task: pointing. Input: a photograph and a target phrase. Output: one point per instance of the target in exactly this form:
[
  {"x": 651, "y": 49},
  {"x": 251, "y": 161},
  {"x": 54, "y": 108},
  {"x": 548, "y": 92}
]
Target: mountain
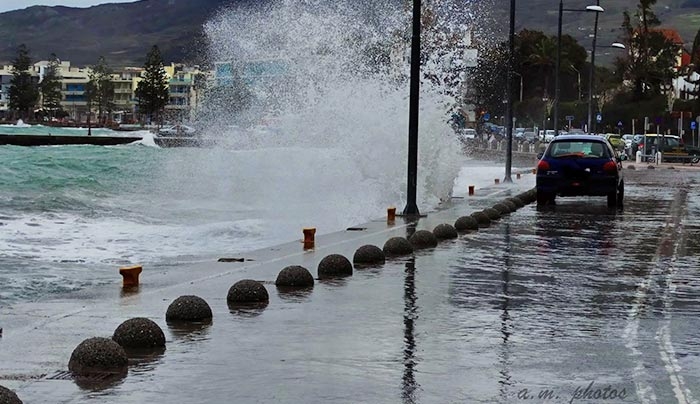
[
  {"x": 542, "y": 15},
  {"x": 122, "y": 32}
]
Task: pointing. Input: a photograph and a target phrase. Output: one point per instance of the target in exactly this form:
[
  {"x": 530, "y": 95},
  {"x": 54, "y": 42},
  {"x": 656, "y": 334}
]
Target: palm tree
[{"x": 544, "y": 57}]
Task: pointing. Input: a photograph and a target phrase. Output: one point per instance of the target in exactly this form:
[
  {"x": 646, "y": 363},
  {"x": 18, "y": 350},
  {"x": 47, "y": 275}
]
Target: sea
[{"x": 322, "y": 142}]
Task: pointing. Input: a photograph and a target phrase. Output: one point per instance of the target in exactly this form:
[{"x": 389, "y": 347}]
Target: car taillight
[
  {"x": 542, "y": 166},
  {"x": 610, "y": 167}
]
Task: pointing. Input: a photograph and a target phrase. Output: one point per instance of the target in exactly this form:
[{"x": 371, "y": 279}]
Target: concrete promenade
[{"x": 38, "y": 337}]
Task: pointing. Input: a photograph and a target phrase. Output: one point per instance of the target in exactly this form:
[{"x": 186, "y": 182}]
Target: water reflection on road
[{"x": 543, "y": 306}]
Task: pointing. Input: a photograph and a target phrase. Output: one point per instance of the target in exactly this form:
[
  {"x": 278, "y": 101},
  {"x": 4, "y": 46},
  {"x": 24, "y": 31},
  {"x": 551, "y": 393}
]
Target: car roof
[{"x": 580, "y": 137}]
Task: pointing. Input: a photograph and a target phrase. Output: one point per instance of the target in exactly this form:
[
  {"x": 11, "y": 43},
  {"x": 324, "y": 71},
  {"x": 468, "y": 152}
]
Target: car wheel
[
  {"x": 620, "y": 194},
  {"x": 544, "y": 199},
  {"x": 695, "y": 160},
  {"x": 612, "y": 199}
]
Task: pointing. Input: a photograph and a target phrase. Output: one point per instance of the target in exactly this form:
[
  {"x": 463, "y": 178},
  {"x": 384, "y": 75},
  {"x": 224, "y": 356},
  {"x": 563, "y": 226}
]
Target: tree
[
  {"x": 100, "y": 90},
  {"x": 651, "y": 60},
  {"x": 23, "y": 93},
  {"x": 50, "y": 87},
  {"x": 152, "y": 92}
]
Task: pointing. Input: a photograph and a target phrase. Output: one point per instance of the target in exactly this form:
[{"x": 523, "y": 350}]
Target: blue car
[{"x": 579, "y": 165}]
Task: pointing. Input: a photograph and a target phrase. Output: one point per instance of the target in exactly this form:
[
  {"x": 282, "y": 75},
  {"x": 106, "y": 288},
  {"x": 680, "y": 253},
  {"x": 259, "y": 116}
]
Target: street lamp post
[
  {"x": 509, "y": 92},
  {"x": 615, "y": 45},
  {"x": 411, "y": 208},
  {"x": 597, "y": 9}
]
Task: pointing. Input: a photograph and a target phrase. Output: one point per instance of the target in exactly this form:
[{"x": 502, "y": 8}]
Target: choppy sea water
[{"x": 71, "y": 215}]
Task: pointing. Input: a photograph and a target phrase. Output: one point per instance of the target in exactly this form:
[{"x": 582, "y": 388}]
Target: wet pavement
[{"x": 574, "y": 303}]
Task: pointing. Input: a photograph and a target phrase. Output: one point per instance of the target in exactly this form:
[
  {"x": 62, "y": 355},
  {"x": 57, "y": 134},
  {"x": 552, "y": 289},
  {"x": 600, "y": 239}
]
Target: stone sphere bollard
[
  {"x": 517, "y": 202},
  {"x": 423, "y": 239},
  {"x": 396, "y": 246},
  {"x": 369, "y": 255},
  {"x": 139, "y": 333},
  {"x": 466, "y": 223},
  {"x": 445, "y": 231},
  {"x": 482, "y": 219},
  {"x": 8, "y": 396},
  {"x": 334, "y": 266},
  {"x": 294, "y": 276},
  {"x": 247, "y": 291},
  {"x": 98, "y": 355},
  {"x": 651, "y": 167},
  {"x": 631, "y": 167},
  {"x": 188, "y": 309},
  {"x": 492, "y": 213},
  {"x": 510, "y": 204},
  {"x": 501, "y": 208}
]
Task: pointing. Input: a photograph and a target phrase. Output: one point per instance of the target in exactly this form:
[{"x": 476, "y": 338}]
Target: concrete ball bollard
[
  {"x": 369, "y": 255},
  {"x": 247, "y": 291},
  {"x": 8, "y": 396},
  {"x": 492, "y": 213},
  {"x": 98, "y": 355},
  {"x": 671, "y": 167},
  {"x": 631, "y": 167},
  {"x": 445, "y": 231},
  {"x": 188, "y": 308},
  {"x": 139, "y": 333},
  {"x": 466, "y": 223},
  {"x": 501, "y": 208},
  {"x": 397, "y": 246},
  {"x": 517, "y": 202},
  {"x": 651, "y": 167},
  {"x": 482, "y": 219},
  {"x": 510, "y": 204},
  {"x": 294, "y": 276},
  {"x": 423, "y": 239},
  {"x": 334, "y": 266}
]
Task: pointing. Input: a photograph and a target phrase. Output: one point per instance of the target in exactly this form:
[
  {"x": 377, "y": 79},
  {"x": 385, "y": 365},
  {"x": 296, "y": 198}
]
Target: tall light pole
[
  {"x": 411, "y": 208},
  {"x": 509, "y": 92},
  {"x": 596, "y": 9},
  {"x": 591, "y": 74}
]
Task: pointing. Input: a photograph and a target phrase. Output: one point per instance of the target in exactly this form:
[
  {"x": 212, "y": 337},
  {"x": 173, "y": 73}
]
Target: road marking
[{"x": 663, "y": 334}]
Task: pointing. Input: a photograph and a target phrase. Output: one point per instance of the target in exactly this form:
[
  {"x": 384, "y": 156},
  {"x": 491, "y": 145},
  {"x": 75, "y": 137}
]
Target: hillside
[
  {"x": 682, "y": 15},
  {"x": 124, "y": 32}
]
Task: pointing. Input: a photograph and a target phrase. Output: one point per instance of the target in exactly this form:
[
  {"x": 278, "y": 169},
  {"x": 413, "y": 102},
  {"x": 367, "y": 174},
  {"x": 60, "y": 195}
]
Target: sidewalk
[{"x": 249, "y": 352}]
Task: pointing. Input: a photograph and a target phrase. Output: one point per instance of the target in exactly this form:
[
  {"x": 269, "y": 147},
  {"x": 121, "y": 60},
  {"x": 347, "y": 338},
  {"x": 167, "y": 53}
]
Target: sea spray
[{"x": 334, "y": 75}]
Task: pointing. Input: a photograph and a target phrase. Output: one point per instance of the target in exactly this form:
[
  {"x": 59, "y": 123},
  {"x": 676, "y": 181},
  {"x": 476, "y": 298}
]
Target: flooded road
[{"x": 571, "y": 304}]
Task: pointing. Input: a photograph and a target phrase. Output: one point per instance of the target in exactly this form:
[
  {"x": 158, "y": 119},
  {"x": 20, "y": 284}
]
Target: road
[{"x": 571, "y": 304}]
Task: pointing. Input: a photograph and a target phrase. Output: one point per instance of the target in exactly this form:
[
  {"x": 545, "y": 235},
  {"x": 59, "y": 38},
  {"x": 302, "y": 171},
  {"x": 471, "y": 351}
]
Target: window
[{"x": 578, "y": 149}]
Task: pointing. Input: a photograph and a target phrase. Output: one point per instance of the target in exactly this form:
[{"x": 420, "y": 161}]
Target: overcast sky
[{"x": 8, "y": 5}]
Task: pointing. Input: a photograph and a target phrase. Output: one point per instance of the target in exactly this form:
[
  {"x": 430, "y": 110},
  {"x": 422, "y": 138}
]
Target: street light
[
  {"x": 594, "y": 8},
  {"x": 411, "y": 208},
  {"x": 615, "y": 45},
  {"x": 509, "y": 93}
]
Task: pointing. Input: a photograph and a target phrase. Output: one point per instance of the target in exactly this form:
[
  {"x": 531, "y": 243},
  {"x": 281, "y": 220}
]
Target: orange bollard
[
  {"x": 471, "y": 190},
  {"x": 131, "y": 275},
  {"x": 517, "y": 176},
  {"x": 309, "y": 234},
  {"x": 496, "y": 181},
  {"x": 391, "y": 214}
]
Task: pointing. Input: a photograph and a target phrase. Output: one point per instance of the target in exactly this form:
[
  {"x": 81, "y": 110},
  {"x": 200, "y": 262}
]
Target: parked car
[
  {"x": 177, "y": 130},
  {"x": 673, "y": 149},
  {"x": 616, "y": 141},
  {"x": 579, "y": 165},
  {"x": 466, "y": 135}
]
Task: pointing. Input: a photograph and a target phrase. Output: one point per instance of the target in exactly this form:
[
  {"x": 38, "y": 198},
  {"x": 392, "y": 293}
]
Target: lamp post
[
  {"x": 411, "y": 208},
  {"x": 591, "y": 77},
  {"x": 596, "y": 9},
  {"x": 509, "y": 94}
]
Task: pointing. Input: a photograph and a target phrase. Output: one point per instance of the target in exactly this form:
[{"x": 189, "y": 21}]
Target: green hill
[{"x": 124, "y": 32}]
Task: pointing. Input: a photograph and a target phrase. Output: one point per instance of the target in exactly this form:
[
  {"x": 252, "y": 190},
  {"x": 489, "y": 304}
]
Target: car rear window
[{"x": 578, "y": 149}]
